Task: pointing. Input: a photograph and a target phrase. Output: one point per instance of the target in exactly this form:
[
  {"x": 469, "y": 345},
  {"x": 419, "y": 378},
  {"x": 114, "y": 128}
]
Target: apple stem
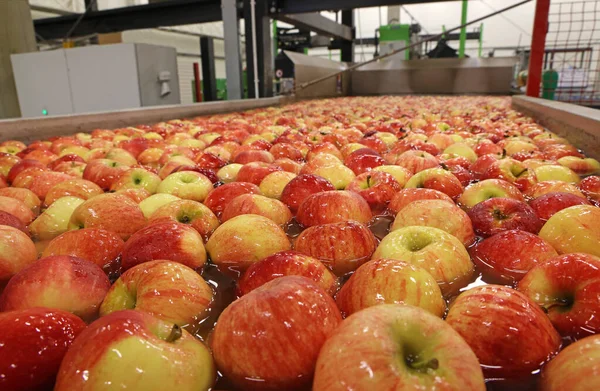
[
  {"x": 175, "y": 334},
  {"x": 368, "y": 180},
  {"x": 422, "y": 366},
  {"x": 521, "y": 173}
]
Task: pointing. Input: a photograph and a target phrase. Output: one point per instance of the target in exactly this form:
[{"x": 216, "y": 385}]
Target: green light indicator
[{"x": 44, "y": 112}]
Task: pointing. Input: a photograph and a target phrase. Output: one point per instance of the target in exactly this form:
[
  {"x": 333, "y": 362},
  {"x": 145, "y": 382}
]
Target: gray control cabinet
[{"x": 96, "y": 78}]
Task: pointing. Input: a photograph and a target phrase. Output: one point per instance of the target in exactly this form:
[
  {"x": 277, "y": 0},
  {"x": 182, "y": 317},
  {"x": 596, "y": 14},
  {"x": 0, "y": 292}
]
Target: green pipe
[
  {"x": 480, "y": 38},
  {"x": 463, "y": 30}
]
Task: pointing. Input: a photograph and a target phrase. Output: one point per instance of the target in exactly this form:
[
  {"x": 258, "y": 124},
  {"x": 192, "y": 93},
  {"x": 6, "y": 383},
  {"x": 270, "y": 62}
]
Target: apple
[
  {"x": 104, "y": 172},
  {"x": 150, "y": 157},
  {"x": 567, "y": 287},
  {"x": 13, "y": 221},
  {"x": 167, "y": 290},
  {"x": 574, "y": 229},
  {"x": 400, "y": 174},
  {"x": 260, "y": 205},
  {"x": 16, "y": 208},
  {"x": 461, "y": 149},
  {"x": 332, "y": 207},
  {"x": 188, "y": 185},
  {"x": 574, "y": 367},
  {"x": 507, "y": 256},
  {"x": 541, "y": 188},
  {"x": 207, "y": 172},
  {"x": 28, "y": 197},
  {"x": 341, "y": 246},
  {"x": 134, "y": 350},
  {"x": 17, "y": 251},
  {"x": 6, "y": 163},
  {"x": 291, "y": 310},
  {"x": 95, "y": 245},
  {"x": 40, "y": 182},
  {"x": 481, "y": 165},
  {"x": 19, "y": 166},
  {"x": 302, "y": 186},
  {"x": 510, "y": 335},
  {"x": 112, "y": 212},
  {"x": 151, "y": 204},
  {"x": 219, "y": 197},
  {"x": 513, "y": 171},
  {"x": 273, "y": 184},
  {"x": 209, "y": 160},
  {"x": 68, "y": 158},
  {"x": 376, "y": 187},
  {"x": 61, "y": 282},
  {"x": 486, "y": 189},
  {"x": 390, "y": 281},
  {"x": 288, "y": 165},
  {"x": 581, "y": 166},
  {"x": 287, "y": 263},
  {"x": 244, "y": 240},
  {"x": 255, "y": 172},
  {"x": 437, "y": 179},
  {"x": 192, "y": 213},
  {"x": 415, "y": 161},
  {"x": 336, "y": 173},
  {"x": 436, "y": 251},
  {"x": 500, "y": 214},
  {"x": 229, "y": 172},
  {"x": 136, "y": 178},
  {"x": 76, "y": 187},
  {"x": 164, "y": 240},
  {"x": 54, "y": 220},
  {"x": 245, "y": 157},
  {"x": 590, "y": 186},
  {"x": 406, "y": 196},
  {"x": 37, "y": 339},
  {"x": 285, "y": 150},
  {"x": 394, "y": 347},
  {"x": 547, "y": 205},
  {"x": 438, "y": 214},
  {"x": 363, "y": 160},
  {"x": 556, "y": 173}
]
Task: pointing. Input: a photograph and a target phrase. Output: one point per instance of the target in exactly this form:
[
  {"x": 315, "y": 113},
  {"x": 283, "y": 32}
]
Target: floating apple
[
  {"x": 500, "y": 214},
  {"x": 574, "y": 229}
]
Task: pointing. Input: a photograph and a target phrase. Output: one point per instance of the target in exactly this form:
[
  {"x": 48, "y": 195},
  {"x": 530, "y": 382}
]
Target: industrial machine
[{"x": 96, "y": 78}]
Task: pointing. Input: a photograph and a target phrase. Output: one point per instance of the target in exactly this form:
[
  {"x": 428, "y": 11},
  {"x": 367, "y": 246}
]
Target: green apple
[
  {"x": 55, "y": 220},
  {"x": 187, "y": 185},
  {"x": 486, "y": 189},
  {"x": 556, "y": 173},
  {"x": 574, "y": 230},
  {"x": 229, "y": 172},
  {"x": 273, "y": 184},
  {"x": 137, "y": 178},
  {"x": 152, "y": 203}
]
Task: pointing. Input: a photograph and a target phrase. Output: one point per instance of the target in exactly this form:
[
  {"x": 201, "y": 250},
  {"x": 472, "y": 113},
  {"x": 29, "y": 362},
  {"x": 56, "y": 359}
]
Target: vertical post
[
  {"x": 463, "y": 30},
  {"x": 347, "y": 47},
  {"x": 393, "y": 14},
  {"x": 209, "y": 78},
  {"x": 16, "y": 36},
  {"x": 480, "y": 39},
  {"x": 538, "y": 45},
  {"x": 275, "y": 36},
  {"x": 264, "y": 54},
  {"x": 233, "y": 60},
  {"x": 197, "y": 88}
]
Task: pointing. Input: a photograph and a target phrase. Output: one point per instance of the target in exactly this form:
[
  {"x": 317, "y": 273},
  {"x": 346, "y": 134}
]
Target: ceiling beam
[
  {"x": 297, "y": 6},
  {"x": 318, "y": 23}
]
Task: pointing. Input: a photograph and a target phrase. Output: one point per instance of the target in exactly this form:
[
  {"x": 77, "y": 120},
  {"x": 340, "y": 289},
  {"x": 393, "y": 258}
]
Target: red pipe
[
  {"x": 197, "y": 82},
  {"x": 538, "y": 44}
]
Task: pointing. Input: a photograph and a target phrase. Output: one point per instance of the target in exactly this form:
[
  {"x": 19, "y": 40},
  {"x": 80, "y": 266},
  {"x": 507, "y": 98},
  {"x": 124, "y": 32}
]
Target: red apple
[
  {"x": 218, "y": 198},
  {"x": 437, "y": 179},
  {"x": 104, "y": 172},
  {"x": 568, "y": 288},
  {"x": 590, "y": 186},
  {"x": 95, "y": 245},
  {"x": 112, "y": 212},
  {"x": 341, "y": 246},
  {"x": 415, "y": 161},
  {"x": 164, "y": 240},
  {"x": 21, "y": 166},
  {"x": 192, "y": 213},
  {"x": 287, "y": 263},
  {"x": 291, "y": 310},
  {"x": 16, "y": 208},
  {"x": 77, "y": 187},
  {"x": 513, "y": 171},
  {"x": 541, "y": 188},
  {"x": 574, "y": 368},
  {"x": 28, "y": 197},
  {"x": 506, "y": 256},
  {"x": 396, "y": 347},
  {"x": 13, "y": 221},
  {"x": 376, "y": 187},
  {"x": 547, "y": 205},
  {"x": 509, "y": 333},
  {"x": 406, "y": 196},
  {"x": 260, "y": 205},
  {"x": 167, "y": 290},
  {"x": 37, "y": 339},
  {"x": 573, "y": 230},
  {"x": 255, "y": 172},
  {"x": 62, "y": 282},
  {"x": 333, "y": 207},
  {"x": 486, "y": 189},
  {"x": 389, "y": 281},
  {"x": 363, "y": 160},
  {"x": 495, "y": 215},
  {"x": 302, "y": 186},
  {"x": 17, "y": 252},
  {"x": 134, "y": 350}
]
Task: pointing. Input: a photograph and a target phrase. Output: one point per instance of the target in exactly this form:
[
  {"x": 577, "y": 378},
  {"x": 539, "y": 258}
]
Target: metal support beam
[
  {"x": 347, "y": 47},
  {"x": 301, "y": 6},
  {"x": 209, "y": 76},
  {"x": 91, "y": 5},
  {"x": 319, "y": 24},
  {"x": 463, "y": 30},
  {"x": 538, "y": 44},
  {"x": 233, "y": 60},
  {"x": 264, "y": 54},
  {"x": 167, "y": 13}
]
